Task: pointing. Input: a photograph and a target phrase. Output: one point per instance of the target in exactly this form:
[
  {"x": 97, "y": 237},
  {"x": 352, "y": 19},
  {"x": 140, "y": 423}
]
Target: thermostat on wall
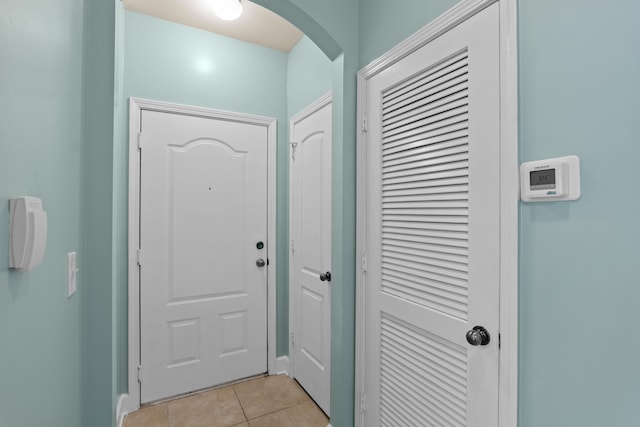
[{"x": 550, "y": 180}]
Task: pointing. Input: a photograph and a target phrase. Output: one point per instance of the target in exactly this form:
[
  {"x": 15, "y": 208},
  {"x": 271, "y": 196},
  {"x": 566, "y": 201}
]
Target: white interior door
[
  {"x": 432, "y": 232},
  {"x": 311, "y": 249},
  {"x": 203, "y": 209}
]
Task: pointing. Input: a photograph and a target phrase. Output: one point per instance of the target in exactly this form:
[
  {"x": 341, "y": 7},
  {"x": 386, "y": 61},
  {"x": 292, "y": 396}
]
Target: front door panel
[{"x": 203, "y": 208}]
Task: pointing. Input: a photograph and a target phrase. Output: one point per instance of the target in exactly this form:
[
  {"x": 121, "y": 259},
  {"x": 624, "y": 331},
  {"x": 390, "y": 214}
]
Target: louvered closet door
[{"x": 432, "y": 232}]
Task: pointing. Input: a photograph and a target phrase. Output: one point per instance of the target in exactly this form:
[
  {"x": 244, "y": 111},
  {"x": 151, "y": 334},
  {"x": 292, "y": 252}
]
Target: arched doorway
[{"x": 343, "y": 324}]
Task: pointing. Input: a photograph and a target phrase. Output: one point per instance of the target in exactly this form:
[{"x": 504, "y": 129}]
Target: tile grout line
[
  {"x": 240, "y": 403},
  {"x": 303, "y": 401},
  {"x": 274, "y": 412}
]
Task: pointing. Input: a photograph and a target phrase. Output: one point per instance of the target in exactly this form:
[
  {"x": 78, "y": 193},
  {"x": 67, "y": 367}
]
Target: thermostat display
[
  {"x": 550, "y": 180},
  {"x": 542, "y": 180}
]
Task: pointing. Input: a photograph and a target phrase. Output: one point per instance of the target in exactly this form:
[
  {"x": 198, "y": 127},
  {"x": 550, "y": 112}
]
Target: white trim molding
[
  {"x": 509, "y": 202},
  {"x": 325, "y": 99},
  {"x": 509, "y": 193},
  {"x": 448, "y": 20},
  {"x": 282, "y": 366},
  {"x": 131, "y": 402},
  {"x": 120, "y": 413}
]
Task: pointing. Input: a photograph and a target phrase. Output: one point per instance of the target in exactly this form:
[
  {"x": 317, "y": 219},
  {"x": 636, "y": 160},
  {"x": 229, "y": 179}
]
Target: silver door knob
[
  {"x": 478, "y": 336},
  {"x": 260, "y": 262}
]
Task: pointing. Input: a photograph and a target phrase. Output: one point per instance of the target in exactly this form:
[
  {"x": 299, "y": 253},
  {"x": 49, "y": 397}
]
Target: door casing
[
  {"x": 136, "y": 106},
  {"x": 509, "y": 195}
]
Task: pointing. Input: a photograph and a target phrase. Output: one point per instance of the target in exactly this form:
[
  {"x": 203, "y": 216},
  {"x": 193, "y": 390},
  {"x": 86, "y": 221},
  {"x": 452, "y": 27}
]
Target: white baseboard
[
  {"x": 282, "y": 365},
  {"x": 120, "y": 412}
]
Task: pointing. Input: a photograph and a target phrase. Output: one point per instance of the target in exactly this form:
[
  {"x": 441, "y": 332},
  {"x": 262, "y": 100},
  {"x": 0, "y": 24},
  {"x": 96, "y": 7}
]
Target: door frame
[
  {"x": 509, "y": 195},
  {"x": 136, "y": 106},
  {"x": 318, "y": 104}
]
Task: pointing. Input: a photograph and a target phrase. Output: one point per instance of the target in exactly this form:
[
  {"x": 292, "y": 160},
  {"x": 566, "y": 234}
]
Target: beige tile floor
[{"x": 275, "y": 401}]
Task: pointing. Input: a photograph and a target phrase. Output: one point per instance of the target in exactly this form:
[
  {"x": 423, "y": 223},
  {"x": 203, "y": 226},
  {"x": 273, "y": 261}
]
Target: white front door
[
  {"x": 203, "y": 210},
  {"x": 310, "y": 166},
  {"x": 432, "y": 232}
]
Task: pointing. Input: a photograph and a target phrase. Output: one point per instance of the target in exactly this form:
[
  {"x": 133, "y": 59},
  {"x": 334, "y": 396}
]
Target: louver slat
[
  {"x": 449, "y": 121},
  {"x": 451, "y": 146},
  {"x": 425, "y": 143},
  {"x": 425, "y": 200},
  {"x": 430, "y": 178},
  {"x": 422, "y": 251},
  {"x": 423, "y": 377},
  {"x": 442, "y": 107},
  {"x": 426, "y": 83}
]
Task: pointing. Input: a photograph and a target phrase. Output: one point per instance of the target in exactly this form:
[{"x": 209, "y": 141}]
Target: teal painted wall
[
  {"x": 119, "y": 252},
  {"x": 98, "y": 374},
  {"x": 171, "y": 62},
  {"x": 578, "y": 260},
  {"x": 309, "y": 75},
  {"x": 384, "y": 24},
  {"x": 41, "y": 101}
]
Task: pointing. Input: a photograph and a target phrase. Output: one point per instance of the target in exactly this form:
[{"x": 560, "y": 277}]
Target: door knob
[
  {"x": 260, "y": 262},
  {"x": 325, "y": 276},
  {"x": 478, "y": 336}
]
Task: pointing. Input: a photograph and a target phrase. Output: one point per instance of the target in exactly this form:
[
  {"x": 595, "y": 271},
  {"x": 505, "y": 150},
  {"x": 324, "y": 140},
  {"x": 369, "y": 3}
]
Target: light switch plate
[{"x": 72, "y": 273}]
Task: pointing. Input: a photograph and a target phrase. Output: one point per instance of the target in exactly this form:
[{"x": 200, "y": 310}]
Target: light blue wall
[
  {"x": 309, "y": 75},
  {"x": 578, "y": 263},
  {"x": 98, "y": 356},
  {"x": 40, "y": 155},
  {"x": 383, "y": 24},
  {"x": 171, "y": 62},
  {"x": 120, "y": 270}
]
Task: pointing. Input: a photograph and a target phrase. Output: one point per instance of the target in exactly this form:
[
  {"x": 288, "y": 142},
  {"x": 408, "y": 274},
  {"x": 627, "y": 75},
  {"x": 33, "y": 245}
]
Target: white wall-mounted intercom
[
  {"x": 28, "y": 233},
  {"x": 550, "y": 180}
]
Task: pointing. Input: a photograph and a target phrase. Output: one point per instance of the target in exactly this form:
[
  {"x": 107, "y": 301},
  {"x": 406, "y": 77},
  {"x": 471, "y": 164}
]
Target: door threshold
[{"x": 203, "y": 390}]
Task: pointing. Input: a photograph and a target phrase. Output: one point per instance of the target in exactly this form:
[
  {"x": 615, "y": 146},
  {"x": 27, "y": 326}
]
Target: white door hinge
[
  {"x": 292, "y": 339},
  {"x": 363, "y": 402},
  {"x": 139, "y": 256},
  {"x": 139, "y": 373},
  {"x": 364, "y": 122},
  {"x": 293, "y": 245},
  {"x": 139, "y": 140},
  {"x": 364, "y": 263},
  {"x": 294, "y": 145},
  {"x": 499, "y": 341}
]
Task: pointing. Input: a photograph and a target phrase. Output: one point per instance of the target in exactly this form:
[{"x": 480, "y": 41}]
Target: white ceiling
[{"x": 256, "y": 24}]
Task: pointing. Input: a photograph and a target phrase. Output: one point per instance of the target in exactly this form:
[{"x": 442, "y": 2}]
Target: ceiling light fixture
[{"x": 229, "y": 10}]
